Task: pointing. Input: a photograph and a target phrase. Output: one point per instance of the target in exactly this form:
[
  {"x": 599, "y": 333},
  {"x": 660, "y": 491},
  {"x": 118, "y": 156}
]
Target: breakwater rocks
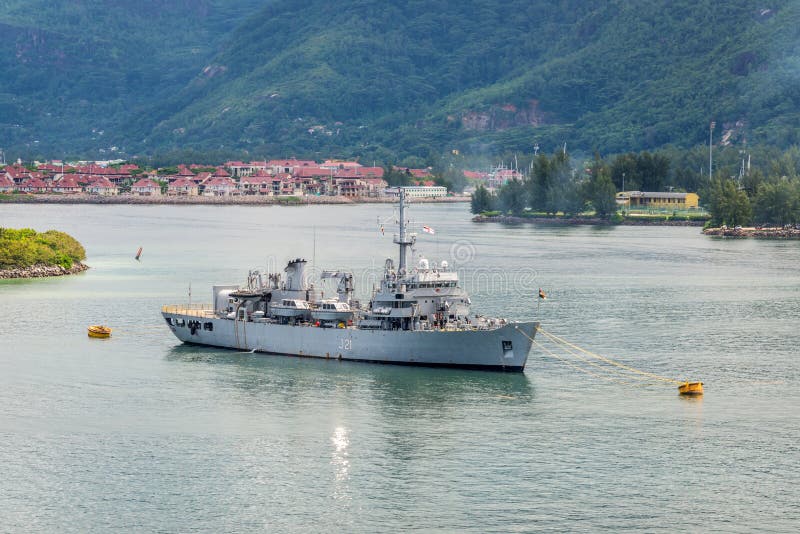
[
  {"x": 248, "y": 200},
  {"x": 574, "y": 221},
  {"x": 756, "y": 233},
  {"x": 41, "y": 270}
]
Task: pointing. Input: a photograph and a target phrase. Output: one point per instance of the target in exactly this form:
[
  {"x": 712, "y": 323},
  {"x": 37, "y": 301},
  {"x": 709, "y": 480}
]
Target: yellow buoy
[
  {"x": 690, "y": 388},
  {"x": 100, "y": 331}
]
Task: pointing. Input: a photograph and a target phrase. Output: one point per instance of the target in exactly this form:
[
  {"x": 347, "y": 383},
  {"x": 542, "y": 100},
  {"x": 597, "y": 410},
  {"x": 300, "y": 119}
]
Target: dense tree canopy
[
  {"x": 26, "y": 247},
  {"x": 761, "y": 186}
]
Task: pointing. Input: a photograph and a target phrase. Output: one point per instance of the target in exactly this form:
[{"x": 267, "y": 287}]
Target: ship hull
[{"x": 505, "y": 348}]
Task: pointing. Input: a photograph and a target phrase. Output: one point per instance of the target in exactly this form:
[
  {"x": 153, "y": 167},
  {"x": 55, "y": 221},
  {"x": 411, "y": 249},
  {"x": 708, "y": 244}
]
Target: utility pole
[{"x": 710, "y": 153}]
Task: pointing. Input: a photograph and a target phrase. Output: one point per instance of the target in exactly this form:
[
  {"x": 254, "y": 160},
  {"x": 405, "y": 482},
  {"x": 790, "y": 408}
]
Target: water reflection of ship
[{"x": 398, "y": 389}]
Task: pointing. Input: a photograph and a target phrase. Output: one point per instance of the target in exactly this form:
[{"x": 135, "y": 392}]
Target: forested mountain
[
  {"x": 82, "y": 75},
  {"x": 388, "y": 79}
]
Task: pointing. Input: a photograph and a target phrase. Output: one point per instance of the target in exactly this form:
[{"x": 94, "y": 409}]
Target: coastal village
[
  {"x": 275, "y": 178},
  {"x": 287, "y": 179}
]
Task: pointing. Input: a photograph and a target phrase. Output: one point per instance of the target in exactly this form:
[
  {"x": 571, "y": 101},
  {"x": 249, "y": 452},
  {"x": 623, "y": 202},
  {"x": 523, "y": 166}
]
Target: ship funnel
[{"x": 296, "y": 278}]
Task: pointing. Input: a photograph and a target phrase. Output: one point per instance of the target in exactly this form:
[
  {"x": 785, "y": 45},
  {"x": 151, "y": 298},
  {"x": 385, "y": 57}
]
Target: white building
[{"x": 418, "y": 191}]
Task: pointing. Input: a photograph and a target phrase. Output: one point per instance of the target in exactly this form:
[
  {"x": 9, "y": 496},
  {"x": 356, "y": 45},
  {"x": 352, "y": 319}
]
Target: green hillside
[
  {"x": 84, "y": 75},
  {"x": 384, "y": 80}
]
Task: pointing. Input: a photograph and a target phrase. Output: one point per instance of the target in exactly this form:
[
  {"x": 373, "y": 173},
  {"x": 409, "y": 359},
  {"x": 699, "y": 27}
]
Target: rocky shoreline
[
  {"x": 575, "y": 221},
  {"x": 215, "y": 201},
  {"x": 755, "y": 233},
  {"x": 41, "y": 270}
]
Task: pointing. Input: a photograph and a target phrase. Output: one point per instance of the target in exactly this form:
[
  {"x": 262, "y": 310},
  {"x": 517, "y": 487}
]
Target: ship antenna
[{"x": 401, "y": 239}]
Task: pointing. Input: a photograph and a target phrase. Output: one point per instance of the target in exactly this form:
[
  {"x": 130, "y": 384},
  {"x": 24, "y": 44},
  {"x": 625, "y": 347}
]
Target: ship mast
[{"x": 403, "y": 239}]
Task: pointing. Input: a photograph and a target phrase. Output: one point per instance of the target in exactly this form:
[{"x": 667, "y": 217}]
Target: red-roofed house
[
  {"x": 349, "y": 187},
  {"x": 283, "y": 184},
  {"x": 240, "y": 168},
  {"x": 68, "y": 184},
  {"x": 258, "y": 184},
  {"x": 92, "y": 168},
  {"x": 49, "y": 168},
  {"x": 116, "y": 176},
  {"x": 6, "y": 184},
  {"x": 183, "y": 187},
  {"x": 101, "y": 186},
  {"x": 371, "y": 172},
  {"x": 18, "y": 173},
  {"x": 34, "y": 185},
  {"x": 146, "y": 188},
  {"x": 75, "y": 178},
  {"x": 219, "y": 186},
  {"x": 200, "y": 177},
  {"x": 290, "y": 165},
  {"x": 310, "y": 172}
]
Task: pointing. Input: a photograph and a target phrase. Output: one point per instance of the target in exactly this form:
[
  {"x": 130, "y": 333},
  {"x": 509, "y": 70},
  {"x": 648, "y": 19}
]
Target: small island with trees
[{"x": 25, "y": 253}]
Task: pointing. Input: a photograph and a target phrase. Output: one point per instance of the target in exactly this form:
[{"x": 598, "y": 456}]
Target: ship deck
[{"x": 206, "y": 311}]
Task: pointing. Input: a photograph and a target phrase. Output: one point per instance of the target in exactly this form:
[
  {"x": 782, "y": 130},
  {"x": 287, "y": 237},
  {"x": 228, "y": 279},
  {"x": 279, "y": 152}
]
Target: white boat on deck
[
  {"x": 332, "y": 311},
  {"x": 291, "y": 309}
]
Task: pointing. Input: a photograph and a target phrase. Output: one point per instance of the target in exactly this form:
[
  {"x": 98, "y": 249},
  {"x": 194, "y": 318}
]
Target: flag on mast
[{"x": 428, "y": 230}]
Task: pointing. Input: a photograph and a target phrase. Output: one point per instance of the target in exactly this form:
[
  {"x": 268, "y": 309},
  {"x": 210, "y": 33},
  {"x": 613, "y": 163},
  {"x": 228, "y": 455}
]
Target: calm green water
[{"x": 140, "y": 433}]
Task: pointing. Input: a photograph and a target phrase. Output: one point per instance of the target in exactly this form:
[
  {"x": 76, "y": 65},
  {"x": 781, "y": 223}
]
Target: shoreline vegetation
[
  {"x": 254, "y": 200},
  {"x": 26, "y": 253},
  {"x": 786, "y": 232},
  {"x": 591, "y": 221}
]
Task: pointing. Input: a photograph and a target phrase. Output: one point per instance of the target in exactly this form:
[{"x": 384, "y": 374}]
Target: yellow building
[{"x": 674, "y": 201}]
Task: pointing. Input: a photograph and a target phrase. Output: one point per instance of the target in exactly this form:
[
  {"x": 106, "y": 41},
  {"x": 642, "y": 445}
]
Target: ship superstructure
[{"x": 417, "y": 315}]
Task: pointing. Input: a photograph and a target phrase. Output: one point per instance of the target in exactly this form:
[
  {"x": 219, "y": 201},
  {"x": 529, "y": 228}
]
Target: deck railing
[{"x": 195, "y": 310}]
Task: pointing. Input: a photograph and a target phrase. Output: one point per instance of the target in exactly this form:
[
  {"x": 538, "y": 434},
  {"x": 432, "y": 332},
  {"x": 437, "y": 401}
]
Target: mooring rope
[
  {"x": 562, "y": 341},
  {"x": 578, "y": 367},
  {"x": 566, "y": 346},
  {"x": 604, "y": 367}
]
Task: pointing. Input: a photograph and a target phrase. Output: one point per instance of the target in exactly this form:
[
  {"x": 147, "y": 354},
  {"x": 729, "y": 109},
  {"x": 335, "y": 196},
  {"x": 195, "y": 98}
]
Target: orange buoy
[
  {"x": 99, "y": 331},
  {"x": 690, "y": 388}
]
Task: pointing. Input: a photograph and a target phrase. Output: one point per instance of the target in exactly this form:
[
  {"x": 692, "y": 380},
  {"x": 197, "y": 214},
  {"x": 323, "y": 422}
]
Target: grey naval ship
[{"x": 417, "y": 315}]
